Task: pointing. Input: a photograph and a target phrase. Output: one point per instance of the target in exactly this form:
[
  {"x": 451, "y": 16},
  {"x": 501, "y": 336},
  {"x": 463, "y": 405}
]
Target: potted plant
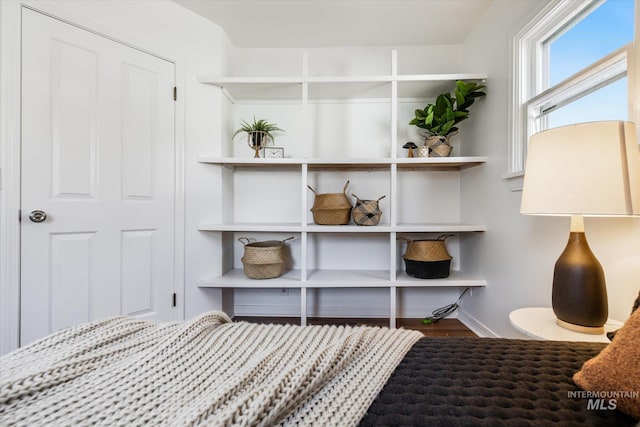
[
  {"x": 439, "y": 119},
  {"x": 258, "y": 133}
]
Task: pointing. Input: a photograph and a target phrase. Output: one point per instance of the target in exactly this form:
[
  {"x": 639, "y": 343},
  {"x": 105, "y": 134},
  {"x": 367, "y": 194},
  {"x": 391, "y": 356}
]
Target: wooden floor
[{"x": 442, "y": 328}]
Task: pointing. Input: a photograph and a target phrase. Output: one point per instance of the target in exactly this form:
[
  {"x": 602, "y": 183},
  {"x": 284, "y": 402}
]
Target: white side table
[{"x": 540, "y": 323}]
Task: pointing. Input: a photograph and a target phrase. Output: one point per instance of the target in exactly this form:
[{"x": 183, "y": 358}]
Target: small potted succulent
[
  {"x": 258, "y": 133},
  {"x": 439, "y": 119}
]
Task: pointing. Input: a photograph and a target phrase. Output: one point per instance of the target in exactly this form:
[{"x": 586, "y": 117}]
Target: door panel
[
  {"x": 74, "y": 119},
  {"x": 98, "y": 158},
  {"x": 137, "y": 272},
  {"x": 72, "y": 262},
  {"x": 138, "y": 132}
]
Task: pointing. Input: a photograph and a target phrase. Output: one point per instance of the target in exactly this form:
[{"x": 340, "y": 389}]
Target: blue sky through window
[
  {"x": 607, "y": 28},
  {"x": 607, "y": 103}
]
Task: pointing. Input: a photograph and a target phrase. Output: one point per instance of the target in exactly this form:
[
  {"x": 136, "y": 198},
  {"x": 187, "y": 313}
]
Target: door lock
[{"x": 37, "y": 216}]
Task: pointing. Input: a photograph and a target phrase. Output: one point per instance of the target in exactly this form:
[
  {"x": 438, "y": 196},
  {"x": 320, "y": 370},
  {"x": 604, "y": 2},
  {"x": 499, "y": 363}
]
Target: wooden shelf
[
  {"x": 315, "y": 228},
  {"x": 249, "y": 161},
  {"x": 349, "y": 228},
  {"x": 237, "y": 279},
  {"x": 393, "y": 176},
  {"x": 254, "y": 227},
  {"x": 339, "y": 279},
  {"x": 336, "y": 87},
  {"x": 429, "y": 163},
  {"x": 426, "y": 85},
  {"x": 262, "y": 88},
  {"x": 443, "y": 163},
  {"x": 319, "y": 164},
  {"x": 439, "y": 228}
]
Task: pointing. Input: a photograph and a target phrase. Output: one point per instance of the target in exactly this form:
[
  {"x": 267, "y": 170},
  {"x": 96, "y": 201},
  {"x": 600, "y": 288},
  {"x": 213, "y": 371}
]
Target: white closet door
[{"x": 98, "y": 160}]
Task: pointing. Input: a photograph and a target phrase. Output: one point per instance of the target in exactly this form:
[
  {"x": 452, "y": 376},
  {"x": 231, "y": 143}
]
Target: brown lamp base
[
  {"x": 579, "y": 294},
  {"x": 591, "y": 330}
]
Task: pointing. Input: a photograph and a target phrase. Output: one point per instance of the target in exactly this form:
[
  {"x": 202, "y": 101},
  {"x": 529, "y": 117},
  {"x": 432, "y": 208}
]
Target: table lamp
[{"x": 586, "y": 169}]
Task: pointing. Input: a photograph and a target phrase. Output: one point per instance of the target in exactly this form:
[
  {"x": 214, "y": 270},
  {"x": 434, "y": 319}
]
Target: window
[
  {"x": 603, "y": 29},
  {"x": 611, "y": 102},
  {"x": 570, "y": 66}
]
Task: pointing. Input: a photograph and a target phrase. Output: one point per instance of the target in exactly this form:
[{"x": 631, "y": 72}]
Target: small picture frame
[{"x": 273, "y": 152}]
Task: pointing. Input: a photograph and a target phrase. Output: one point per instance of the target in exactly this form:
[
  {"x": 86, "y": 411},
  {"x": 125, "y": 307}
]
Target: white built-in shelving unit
[{"x": 268, "y": 198}]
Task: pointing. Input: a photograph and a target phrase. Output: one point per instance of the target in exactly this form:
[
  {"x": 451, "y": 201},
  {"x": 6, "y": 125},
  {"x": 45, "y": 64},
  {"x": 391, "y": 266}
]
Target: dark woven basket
[
  {"x": 366, "y": 212},
  {"x": 427, "y": 269},
  {"x": 427, "y": 258}
]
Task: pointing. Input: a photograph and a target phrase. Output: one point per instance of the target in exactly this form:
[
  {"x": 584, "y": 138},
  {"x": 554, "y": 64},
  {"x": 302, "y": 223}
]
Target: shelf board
[
  {"x": 444, "y": 163},
  {"x": 316, "y": 163},
  {"x": 443, "y": 77},
  {"x": 428, "y": 163},
  {"x": 249, "y": 80},
  {"x": 249, "y": 161},
  {"x": 257, "y": 80},
  {"x": 237, "y": 279},
  {"x": 439, "y": 228},
  {"x": 429, "y": 85},
  {"x": 337, "y": 87},
  {"x": 351, "y": 228},
  {"x": 339, "y": 279},
  {"x": 348, "y": 228},
  {"x": 262, "y": 227},
  {"x": 258, "y": 88},
  {"x": 400, "y": 228}
]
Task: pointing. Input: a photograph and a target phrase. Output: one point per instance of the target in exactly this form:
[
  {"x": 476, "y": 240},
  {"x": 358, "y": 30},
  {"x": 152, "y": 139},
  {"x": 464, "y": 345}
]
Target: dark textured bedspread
[{"x": 493, "y": 382}]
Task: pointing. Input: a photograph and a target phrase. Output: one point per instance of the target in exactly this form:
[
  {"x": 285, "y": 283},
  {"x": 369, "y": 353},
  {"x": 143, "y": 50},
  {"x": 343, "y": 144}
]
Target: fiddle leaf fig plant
[{"x": 449, "y": 109}]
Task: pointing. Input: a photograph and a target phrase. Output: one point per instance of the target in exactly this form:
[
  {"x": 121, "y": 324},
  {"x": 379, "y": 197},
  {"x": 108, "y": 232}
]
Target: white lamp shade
[{"x": 590, "y": 169}]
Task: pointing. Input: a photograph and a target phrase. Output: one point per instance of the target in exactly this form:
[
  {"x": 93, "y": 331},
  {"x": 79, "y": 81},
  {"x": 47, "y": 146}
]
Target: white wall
[{"x": 517, "y": 253}]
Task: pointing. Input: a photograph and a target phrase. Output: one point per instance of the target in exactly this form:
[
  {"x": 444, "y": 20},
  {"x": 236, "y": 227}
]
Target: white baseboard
[{"x": 475, "y": 325}]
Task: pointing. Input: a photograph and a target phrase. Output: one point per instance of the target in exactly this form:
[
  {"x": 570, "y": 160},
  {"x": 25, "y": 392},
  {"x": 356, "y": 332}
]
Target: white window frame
[
  {"x": 598, "y": 75},
  {"x": 530, "y": 57}
]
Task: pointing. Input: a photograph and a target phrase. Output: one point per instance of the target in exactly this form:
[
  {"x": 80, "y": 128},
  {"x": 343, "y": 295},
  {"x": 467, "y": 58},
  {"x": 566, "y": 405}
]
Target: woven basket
[
  {"x": 438, "y": 146},
  {"x": 366, "y": 212},
  {"x": 264, "y": 260},
  {"x": 428, "y": 258},
  {"x": 331, "y": 208},
  {"x": 263, "y": 271}
]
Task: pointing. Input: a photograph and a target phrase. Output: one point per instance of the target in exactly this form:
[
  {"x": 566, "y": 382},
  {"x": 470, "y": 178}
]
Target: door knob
[{"x": 37, "y": 216}]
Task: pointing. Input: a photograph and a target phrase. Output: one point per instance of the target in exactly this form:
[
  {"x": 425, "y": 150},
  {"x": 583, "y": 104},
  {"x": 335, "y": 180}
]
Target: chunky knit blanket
[{"x": 207, "y": 371}]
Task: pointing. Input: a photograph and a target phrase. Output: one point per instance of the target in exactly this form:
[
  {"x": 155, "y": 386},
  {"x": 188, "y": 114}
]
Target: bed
[
  {"x": 212, "y": 371},
  {"x": 490, "y": 382}
]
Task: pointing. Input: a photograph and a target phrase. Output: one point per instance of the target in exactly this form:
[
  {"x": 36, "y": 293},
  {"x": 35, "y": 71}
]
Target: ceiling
[{"x": 335, "y": 23}]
